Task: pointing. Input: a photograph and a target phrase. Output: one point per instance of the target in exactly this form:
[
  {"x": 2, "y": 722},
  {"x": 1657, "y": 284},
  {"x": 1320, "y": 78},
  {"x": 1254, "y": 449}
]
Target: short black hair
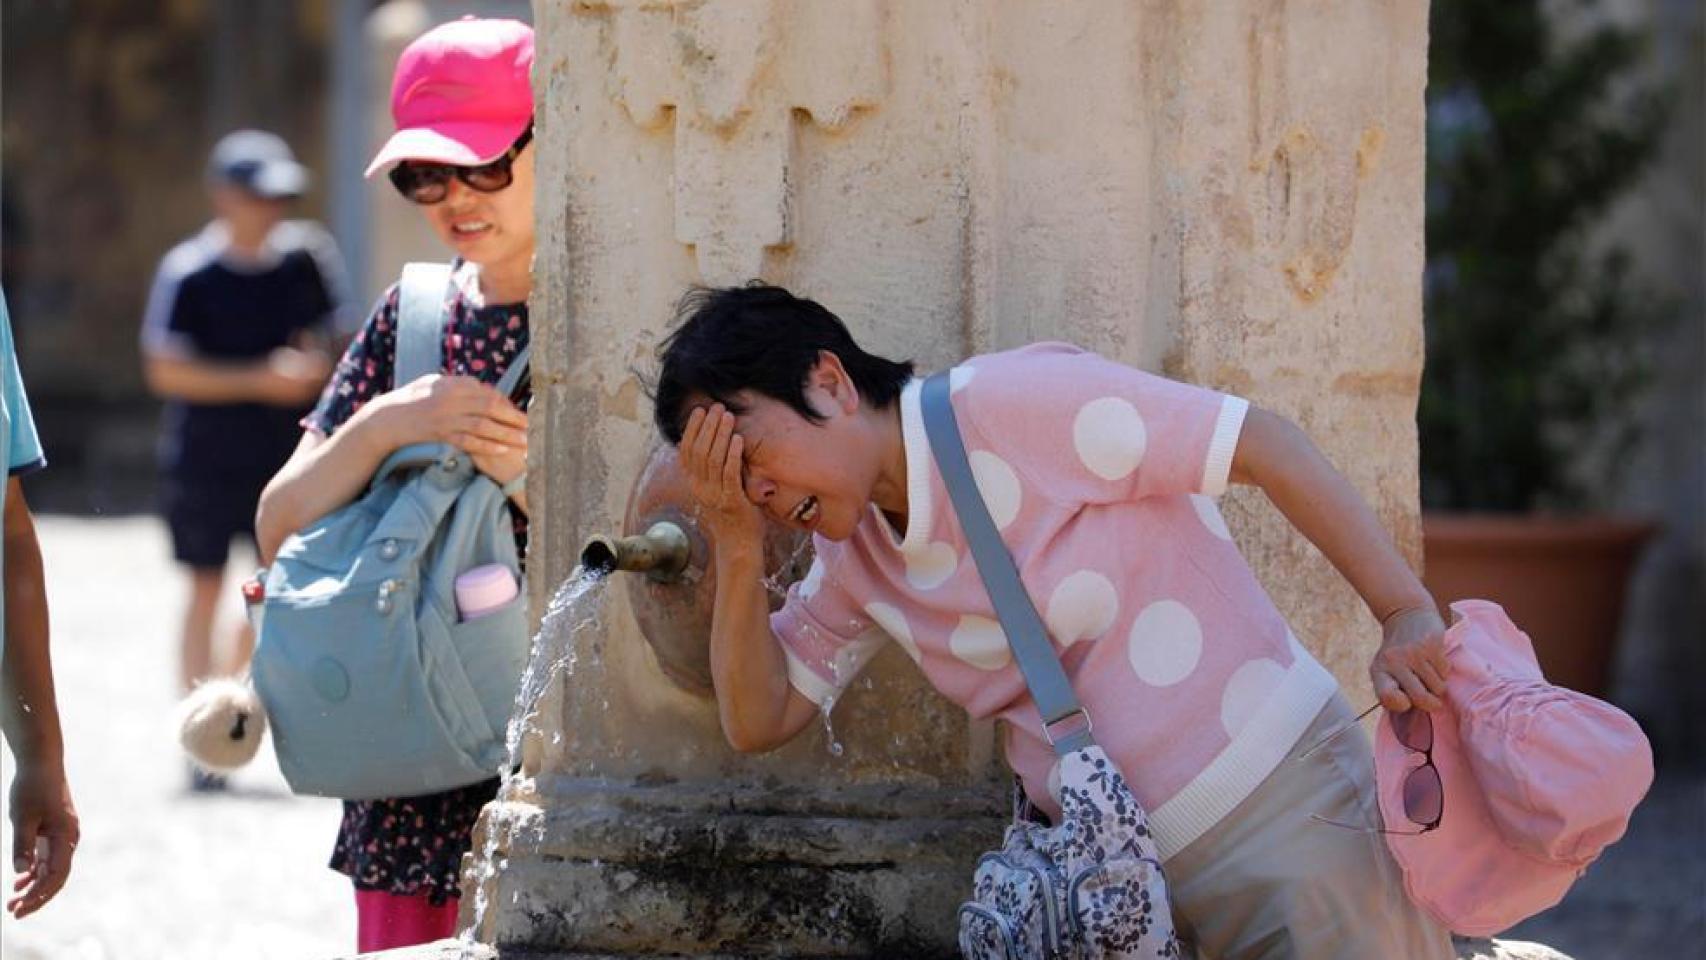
[{"x": 760, "y": 338}]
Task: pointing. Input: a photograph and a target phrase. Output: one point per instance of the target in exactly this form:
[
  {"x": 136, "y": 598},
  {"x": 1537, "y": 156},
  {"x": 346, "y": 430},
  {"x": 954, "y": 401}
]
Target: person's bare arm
[
  {"x": 287, "y": 377},
  {"x": 322, "y": 474},
  {"x": 1275, "y": 455},
  {"x": 759, "y": 709},
  {"x": 40, "y": 801}
]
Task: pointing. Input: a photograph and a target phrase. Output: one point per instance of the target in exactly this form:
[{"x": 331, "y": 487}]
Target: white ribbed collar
[{"x": 919, "y": 466}]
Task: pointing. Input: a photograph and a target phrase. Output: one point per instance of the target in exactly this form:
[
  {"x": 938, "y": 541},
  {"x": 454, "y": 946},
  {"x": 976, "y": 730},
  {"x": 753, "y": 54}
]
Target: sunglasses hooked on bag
[
  {"x": 1422, "y": 791},
  {"x": 1091, "y": 886}
]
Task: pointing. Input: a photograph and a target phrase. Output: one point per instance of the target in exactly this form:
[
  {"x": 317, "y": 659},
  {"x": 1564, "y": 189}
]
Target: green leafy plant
[{"x": 1536, "y": 332}]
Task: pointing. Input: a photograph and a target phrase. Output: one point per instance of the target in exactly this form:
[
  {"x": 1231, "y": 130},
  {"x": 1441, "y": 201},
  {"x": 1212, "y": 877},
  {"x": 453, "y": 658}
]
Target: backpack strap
[
  {"x": 422, "y": 298},
  {"x": 1026, "y": 634}
]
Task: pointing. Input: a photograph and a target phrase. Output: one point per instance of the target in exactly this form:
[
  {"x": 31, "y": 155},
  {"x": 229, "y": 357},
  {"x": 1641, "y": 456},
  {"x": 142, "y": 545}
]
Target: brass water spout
[{"x": 662, "y": 553}]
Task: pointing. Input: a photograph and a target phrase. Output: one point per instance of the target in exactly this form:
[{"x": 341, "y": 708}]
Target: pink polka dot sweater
[{"x": 1101, "y": 479}]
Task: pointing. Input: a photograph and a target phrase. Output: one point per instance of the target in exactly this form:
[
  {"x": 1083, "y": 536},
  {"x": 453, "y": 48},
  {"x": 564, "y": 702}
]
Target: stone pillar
[
  {"x": 1295, "y": 178},
  {"x": 1230, "y": 193}
]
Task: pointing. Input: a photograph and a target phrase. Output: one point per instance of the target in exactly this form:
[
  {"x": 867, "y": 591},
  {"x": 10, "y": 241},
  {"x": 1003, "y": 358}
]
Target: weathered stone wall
[
  {"x": 1286, "y": 263},
  {"x": 1230, "y": 193}
]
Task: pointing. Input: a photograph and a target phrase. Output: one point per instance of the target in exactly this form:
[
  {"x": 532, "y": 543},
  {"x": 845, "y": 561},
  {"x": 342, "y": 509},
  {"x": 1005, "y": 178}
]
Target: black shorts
[{"x": 205, "y": 516}]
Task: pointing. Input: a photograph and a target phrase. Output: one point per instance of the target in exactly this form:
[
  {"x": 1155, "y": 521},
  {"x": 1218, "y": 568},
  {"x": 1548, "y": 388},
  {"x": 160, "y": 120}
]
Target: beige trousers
[{"x": 1269, "y": 883}]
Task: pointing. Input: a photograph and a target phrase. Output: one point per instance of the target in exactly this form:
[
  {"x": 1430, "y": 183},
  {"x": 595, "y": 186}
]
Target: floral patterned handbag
[{"x": 1089, "y": 887}]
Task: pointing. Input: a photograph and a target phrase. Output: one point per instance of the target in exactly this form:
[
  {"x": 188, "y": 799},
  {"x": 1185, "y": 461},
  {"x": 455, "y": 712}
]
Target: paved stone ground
[
  {"x": 1646, "y": 897},
  {"x": 164, "y": 874}
]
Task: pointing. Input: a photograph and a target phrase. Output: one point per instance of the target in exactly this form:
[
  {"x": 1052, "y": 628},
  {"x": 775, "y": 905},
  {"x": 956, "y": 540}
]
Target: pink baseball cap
[
  {"x": 1538, "y": 781},
  {"x": 461, "y": 94}
]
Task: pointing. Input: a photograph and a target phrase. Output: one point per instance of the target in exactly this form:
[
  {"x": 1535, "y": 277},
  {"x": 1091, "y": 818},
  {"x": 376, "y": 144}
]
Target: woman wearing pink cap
[{"x": 463, "y": 105}]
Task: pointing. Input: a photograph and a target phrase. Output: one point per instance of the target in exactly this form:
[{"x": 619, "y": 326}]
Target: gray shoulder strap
[
  {"x": 1025, "y": 631},
  {"x": 422, "y": 296},
  {"x": 421, "y": 299}
]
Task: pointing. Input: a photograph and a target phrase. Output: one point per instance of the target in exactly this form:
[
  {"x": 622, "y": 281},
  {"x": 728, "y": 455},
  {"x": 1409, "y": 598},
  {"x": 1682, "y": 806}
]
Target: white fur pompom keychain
[{"x": 220, "y": 724}]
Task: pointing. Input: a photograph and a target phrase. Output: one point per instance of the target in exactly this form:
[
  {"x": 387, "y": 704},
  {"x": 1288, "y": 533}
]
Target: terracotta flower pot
[{"x": 1561, "y": 579}]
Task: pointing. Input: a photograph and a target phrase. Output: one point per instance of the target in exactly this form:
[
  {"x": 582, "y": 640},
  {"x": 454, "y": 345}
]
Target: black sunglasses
[
  {"x": 429, "y": 183},
  {"x": 1423, "y": 790}
]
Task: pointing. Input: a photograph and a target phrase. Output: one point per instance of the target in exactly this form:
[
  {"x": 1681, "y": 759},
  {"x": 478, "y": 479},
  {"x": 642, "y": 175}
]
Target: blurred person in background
[
  {"x": 237, "y": 338},
  {"x": 44, "y": 821}
]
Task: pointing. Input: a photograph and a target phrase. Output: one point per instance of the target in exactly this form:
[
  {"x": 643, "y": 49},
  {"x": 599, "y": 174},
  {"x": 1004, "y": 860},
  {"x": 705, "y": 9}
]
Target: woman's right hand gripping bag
[{"x": 1089, "y": 887}]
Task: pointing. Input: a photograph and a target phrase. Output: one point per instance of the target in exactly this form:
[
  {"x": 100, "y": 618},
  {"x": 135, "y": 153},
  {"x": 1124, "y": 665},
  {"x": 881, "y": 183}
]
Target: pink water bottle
[{"x": 484, "y": 589}]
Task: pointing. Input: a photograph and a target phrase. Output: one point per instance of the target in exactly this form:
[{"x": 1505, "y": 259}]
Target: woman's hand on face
[
  {"x": 713, "y": 456},
  {"x": 462, "y": 411}
]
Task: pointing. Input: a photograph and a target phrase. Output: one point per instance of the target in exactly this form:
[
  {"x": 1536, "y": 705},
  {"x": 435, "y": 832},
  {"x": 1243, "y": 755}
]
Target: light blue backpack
[{"x": 372, "y": 685}]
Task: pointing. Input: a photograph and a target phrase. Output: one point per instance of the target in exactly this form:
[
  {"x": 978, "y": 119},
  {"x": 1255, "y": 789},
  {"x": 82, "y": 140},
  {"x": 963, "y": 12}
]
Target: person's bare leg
[
  {"x": 236, "y": 661},
  {"x": 242, "y": 648},
  {"x": 196, "y": 654}
]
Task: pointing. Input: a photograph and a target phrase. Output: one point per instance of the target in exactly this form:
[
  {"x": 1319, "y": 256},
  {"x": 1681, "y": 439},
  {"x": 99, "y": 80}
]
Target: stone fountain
[{"x": 1229, "y": 193}]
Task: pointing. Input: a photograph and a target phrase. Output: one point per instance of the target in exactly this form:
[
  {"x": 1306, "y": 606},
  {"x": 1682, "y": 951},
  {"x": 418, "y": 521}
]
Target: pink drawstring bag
[{"x": 1537, "y": 781}]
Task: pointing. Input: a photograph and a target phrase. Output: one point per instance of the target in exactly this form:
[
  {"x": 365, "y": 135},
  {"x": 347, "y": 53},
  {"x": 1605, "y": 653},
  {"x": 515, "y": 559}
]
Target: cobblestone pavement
[
  {"x": 162, "y": 873},
  {"x": 165, "y": 874},
  {"x": 1645, "y": 898}
]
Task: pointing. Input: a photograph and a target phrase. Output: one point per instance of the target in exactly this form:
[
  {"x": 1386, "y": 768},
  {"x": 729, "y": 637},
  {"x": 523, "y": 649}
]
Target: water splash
[
  {"x": 837, "y": 669},
  {"x": 573, "y": 608},
  {"x": 835, "y": 747},
  {"x": 553, "y": 653},
  {"x": 777, "y": 583}
]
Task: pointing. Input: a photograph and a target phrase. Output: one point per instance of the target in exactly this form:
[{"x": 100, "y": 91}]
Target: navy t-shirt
[{"x": 207, "y": 305}]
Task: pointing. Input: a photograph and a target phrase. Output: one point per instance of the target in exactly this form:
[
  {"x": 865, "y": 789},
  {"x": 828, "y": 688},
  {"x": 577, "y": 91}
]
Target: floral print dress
[{"x": 413, "y": 846}]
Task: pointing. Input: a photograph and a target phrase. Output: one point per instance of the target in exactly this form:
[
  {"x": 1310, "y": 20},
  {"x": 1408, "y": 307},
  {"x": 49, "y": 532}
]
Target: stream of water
[{"x": 572, "y": 609}]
